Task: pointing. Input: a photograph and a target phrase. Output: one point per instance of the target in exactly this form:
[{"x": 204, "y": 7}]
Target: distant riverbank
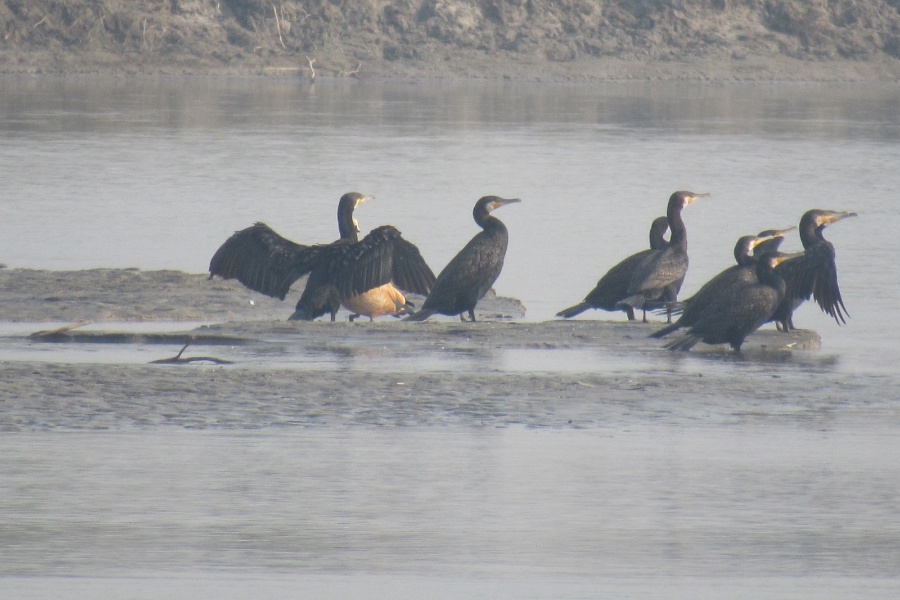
[{"x": 739, "y": 40}]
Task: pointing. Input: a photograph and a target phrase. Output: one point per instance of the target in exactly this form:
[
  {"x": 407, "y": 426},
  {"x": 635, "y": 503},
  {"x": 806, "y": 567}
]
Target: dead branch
[
  {"x": 353, "y": 73},
  {"x": 59, "y": 331},
  {"x": 312, "y": 70},
  {"x": 177, "y": 360},
  {"x": 278, "y": 25}
]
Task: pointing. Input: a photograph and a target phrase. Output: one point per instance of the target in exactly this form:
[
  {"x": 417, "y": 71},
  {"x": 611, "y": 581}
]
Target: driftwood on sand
[{"x": 178, "y": 360}]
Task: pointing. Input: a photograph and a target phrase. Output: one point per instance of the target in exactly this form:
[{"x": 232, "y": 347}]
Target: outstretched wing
[
  {"x": 826, "y": 291},
  {"x": 814, "y": 275},
  {"x": 263, "y": 261},
  {"x": 383, "y": 256}
]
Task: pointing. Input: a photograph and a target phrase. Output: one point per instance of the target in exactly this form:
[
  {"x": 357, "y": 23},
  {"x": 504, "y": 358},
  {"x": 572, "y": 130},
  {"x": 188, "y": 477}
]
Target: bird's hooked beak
[
  {"x": 769, "y": 234},
  {"x": 781, "y": 232},
  {"x": 777, "y": 259},
  {"x": 691, "y": 196},
  {"x": 362, "y": 199},
  {"x": 831, "y": 216},
  {"x": 498, "y": 202},
  {"x": 763, "y": 238}
]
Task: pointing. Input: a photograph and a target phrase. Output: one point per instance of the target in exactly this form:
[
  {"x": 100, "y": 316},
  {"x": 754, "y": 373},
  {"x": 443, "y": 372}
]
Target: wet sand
[
  {"x": 276, "y": 372},
  {"x": 337, "y": 448}
]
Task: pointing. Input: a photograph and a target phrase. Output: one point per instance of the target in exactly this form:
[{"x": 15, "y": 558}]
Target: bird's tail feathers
[
  {"x": 302, "y": 314},
  {"x": 683, "y": 343},
  {"x": 570, "y": 312},
  {"x": 636, "y": 301},
  {"x": 420, "y": 315},
  {"x": 665, "y": 331}
]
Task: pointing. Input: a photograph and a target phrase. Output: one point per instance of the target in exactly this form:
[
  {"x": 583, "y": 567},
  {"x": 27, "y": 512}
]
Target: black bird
[
  {"x": 744, "y": 272},
  {"x": 472, "y": 272},
  {"x": 814, "y": 274},
  {"x": 662, "y": 272},
  {"x": 613, "y": 287},
  {"x": 740, "y": 310},
  {"x": 338, "y": 272}
]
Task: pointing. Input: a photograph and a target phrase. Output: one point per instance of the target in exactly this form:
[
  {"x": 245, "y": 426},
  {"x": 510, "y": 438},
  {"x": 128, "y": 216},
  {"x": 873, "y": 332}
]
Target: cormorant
[
  {"x": 814, "y": 274},
  {"x": 341, "y": 272},
  {"x": 472, "y": 272},
  {"x": 662, "y": 272},
  {"x": 744, "y": 272},
  {"x": 739, "y": 310},
  {"x": 613, "y": 287}
]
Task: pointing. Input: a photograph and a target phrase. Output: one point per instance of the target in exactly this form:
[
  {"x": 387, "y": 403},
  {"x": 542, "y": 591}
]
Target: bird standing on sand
[
  {"x": 740, "y": 310},
  {"x": 472, "y": 272},
  {"x": 744, "y": 272},
  {"x": 357, "y": 273},
  {"x": 613, "y": 287},
  {"x": 814, "y": 274},
  {"x": 662, "y": 272}
]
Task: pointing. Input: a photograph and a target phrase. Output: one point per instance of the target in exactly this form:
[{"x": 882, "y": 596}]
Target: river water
[{"x": 156, "y": 173}]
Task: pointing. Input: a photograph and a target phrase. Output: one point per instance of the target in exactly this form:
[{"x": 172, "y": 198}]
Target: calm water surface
[{"x": 156, "y": 174}]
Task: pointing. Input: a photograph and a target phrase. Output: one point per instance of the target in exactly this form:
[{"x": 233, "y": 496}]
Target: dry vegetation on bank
[{"x": 850, "y": 39}]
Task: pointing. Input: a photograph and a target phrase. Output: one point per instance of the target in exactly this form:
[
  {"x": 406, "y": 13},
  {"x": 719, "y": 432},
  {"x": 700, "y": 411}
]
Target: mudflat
[{"x": 309, "y": 373}]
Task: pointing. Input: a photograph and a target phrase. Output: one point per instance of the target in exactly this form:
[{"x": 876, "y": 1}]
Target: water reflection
[
  {"x": 490, "y": 503},
  {"x": 768, "y": 363},
  {"x": 78, "y": 104}
]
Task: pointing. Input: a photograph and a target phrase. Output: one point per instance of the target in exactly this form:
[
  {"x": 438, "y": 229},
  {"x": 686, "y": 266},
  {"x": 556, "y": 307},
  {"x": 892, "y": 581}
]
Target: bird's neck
[
  {"x": 346, "y": 226},
  {"x": 810, "y": 234},
  {"x": 743, "y": 258},
  {"x": 489, "y": 223},
  {"x": 657, "y": 237},
  {"x": 676, "y": 226}
]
